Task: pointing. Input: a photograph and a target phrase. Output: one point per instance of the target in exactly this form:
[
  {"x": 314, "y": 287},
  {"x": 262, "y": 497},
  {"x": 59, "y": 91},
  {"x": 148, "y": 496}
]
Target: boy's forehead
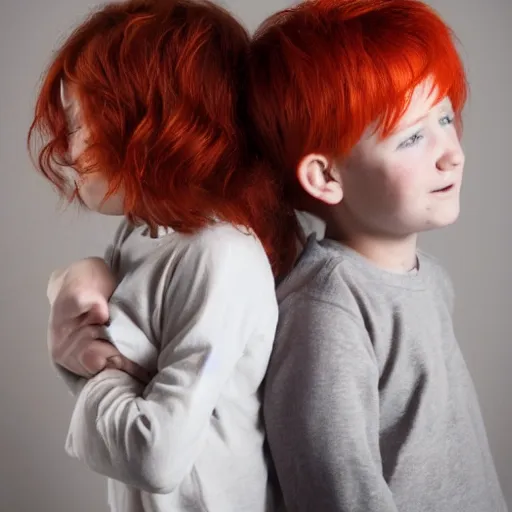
[{"x": 422, "y": 99}]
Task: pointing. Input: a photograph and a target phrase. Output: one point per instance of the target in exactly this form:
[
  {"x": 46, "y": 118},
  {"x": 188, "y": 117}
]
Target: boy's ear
[{"x": 319, "y": 179}]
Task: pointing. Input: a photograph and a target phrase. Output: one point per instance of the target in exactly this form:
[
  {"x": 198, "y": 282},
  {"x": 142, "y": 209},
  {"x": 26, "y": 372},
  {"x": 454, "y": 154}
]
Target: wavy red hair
[
  {"x": 322, "y": 72},
  {"x": 158, "y": 84}
]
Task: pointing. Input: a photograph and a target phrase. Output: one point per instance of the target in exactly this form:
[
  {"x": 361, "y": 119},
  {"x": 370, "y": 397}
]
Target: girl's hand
[{"x": 79, "y": 309}]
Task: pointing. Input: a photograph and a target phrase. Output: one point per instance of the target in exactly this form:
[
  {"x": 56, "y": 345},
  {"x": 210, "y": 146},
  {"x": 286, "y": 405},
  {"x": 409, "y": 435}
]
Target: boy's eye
[
  {"x": 446, "y": 120},
  {"x": 413, "y": 139}
]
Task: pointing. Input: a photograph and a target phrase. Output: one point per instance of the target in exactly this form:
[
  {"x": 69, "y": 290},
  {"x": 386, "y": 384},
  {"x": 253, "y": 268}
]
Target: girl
[{"x": 139, "y": 115}]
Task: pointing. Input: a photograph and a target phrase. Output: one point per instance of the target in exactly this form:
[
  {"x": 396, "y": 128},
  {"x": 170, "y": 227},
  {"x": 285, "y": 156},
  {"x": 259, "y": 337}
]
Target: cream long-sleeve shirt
[{"x": 201, "y": 310}]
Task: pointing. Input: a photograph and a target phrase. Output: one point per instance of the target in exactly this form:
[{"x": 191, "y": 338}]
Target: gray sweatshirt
[
  {"x": 201, "y": 310},
  {"x": 369, "y": 406}
]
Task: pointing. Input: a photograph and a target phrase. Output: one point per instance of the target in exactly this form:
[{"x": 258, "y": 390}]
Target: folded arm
[
  {"x": 79, "y": 296},
  {"x": 150, "y": 438}
]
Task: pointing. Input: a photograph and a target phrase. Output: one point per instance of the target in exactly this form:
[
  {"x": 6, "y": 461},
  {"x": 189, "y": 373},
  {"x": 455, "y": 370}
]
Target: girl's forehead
[
  {"x": 69, "y": 102},
  {"x": 65, "y": 96}
]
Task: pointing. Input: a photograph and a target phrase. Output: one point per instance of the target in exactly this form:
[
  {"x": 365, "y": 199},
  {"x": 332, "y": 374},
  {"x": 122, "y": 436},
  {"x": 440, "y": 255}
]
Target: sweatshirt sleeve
[
  {"x": 219, "y": 299},
  {"x": 322, "y": 411}
]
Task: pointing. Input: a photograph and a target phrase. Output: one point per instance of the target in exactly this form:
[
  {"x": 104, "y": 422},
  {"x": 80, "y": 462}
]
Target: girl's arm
[
  {"x": 218, "y": 299},
  {"x": 79, "y": 296}
]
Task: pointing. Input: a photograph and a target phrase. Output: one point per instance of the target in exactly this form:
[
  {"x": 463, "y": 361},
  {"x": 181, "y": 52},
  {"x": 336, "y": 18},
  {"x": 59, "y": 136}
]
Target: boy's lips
[{"x": 446, "y": 188}]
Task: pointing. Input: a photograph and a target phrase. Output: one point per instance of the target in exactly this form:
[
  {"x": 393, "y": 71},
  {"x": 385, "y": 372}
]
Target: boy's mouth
[{"x": 444, "y": 189}]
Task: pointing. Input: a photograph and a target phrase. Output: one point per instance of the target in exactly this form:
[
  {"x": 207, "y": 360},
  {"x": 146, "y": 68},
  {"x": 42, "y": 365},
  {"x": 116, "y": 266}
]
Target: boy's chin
[{"x": 442, "y": 221}]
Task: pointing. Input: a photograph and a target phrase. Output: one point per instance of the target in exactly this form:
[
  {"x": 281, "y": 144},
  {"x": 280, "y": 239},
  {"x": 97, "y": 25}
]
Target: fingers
[
  {"x": 122, "y": 363},
  {"x": 81, "y": 351},
  {"x": 84, "y": 353},
  {"x": 98, "y": 314},
  {"x": 78, "y": 303},
  {"x": 75, "y": 297},
  {"x": 95, "y": 355}
]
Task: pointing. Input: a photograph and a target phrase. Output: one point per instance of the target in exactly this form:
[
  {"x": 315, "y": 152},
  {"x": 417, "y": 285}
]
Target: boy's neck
[{"x": 392, "y": 254}]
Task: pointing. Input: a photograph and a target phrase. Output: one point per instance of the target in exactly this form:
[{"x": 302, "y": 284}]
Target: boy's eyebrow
[
  {"x": 400, "y": 127},
  {"x": 444, "y": 105}
]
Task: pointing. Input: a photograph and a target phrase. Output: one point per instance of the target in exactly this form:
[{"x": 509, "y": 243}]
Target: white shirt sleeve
[{"x": 219, "y": 299}]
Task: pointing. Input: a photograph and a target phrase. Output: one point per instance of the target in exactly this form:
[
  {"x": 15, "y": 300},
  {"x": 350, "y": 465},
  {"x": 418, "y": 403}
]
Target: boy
[{"x": 369, "y": 405}]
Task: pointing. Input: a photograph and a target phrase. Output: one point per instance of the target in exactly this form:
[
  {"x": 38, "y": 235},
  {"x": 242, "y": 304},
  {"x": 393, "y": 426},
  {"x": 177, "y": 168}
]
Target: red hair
[
  {"x": 158, "y": 85},
  {"x": 322, "y": 72}
]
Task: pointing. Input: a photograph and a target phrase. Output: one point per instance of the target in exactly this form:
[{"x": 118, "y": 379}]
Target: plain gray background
[{"x": 35, "y": 473}]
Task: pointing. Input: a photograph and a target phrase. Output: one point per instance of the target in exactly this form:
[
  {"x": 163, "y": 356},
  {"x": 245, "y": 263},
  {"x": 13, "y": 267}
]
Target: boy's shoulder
[
  {"x": 322, "y": 272},
  {"x": 330, "y": 272}
]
